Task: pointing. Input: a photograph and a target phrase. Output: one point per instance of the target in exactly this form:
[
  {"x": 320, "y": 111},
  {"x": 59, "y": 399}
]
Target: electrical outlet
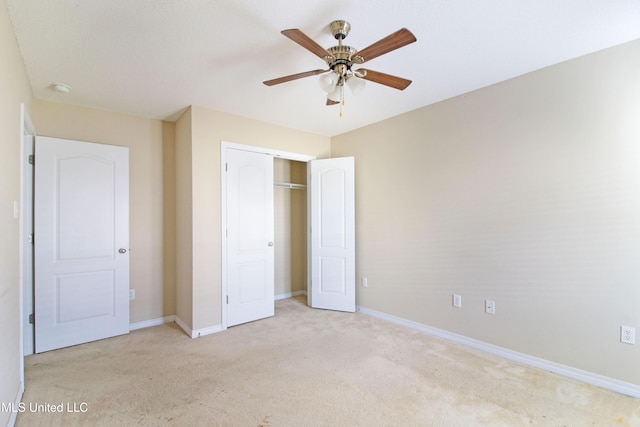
[
  {"x": 364, "y": 282},
  {"x": 132, "y": 294},
  {"x": 489, "y": 307},
  {"x": 627, "y": 334},
  {"x": 457, "y": 301}
]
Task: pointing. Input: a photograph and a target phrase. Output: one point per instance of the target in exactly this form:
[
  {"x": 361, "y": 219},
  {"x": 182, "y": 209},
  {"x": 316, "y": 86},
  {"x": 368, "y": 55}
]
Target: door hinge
[
  {"x": 32, "y": 159},
  {"x": 226, "y": 167},
  {"x": 227, "y": 299},
  {"x": 31, "y": 319},
  {"x": 31, "y": 238}
]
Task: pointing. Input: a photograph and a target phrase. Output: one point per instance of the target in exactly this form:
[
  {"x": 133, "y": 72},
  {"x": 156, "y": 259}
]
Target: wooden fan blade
[
  {"x": 393, "y": 41},
  {"x": 331, "y": 102},
  {"x": 386, "y": 79},
  {"x": 293, "y": 77},
  {"x": 306, "y": 42}
]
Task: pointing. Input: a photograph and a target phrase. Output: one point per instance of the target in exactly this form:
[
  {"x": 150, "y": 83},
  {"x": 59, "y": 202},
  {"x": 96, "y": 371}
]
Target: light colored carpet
[{"x": 304, "y": 367}]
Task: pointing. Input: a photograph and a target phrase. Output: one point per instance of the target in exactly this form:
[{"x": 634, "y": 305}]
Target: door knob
[
  {"x": 122, "y": 250},
  {"x": 270, "y": 244}
]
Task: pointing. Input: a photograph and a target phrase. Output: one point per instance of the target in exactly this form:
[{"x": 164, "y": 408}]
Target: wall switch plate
[
  {"x": 132, "y": 294},
  {"x": 364, "y": 282},
  {"x": 627, "y": 334},
  {"x": 457, "y": 301},
  {"x": 489, "y": 307}
]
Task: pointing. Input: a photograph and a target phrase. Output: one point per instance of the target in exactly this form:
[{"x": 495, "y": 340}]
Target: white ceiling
[{"x": 154, "y": 58}]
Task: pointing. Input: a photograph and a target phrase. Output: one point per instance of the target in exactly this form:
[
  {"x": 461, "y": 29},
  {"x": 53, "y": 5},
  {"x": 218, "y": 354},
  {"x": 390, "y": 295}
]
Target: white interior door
[
  {"x": 331, "y": 211},
  {"x": 81, "y": 242},
  {"x": 249, "y": 236}
]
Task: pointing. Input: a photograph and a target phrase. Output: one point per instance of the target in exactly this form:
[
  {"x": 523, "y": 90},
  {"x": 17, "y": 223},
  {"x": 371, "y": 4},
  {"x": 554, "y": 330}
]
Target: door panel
[
  {"x": 81, "y": 220},
  {"x": 78, "y": 236},
  {"x": 250, "y": 231},
  {"x": 332, "y": 238}
]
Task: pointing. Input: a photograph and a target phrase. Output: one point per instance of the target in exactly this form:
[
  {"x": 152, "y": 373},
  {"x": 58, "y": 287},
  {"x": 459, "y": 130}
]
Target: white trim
[
  {"x": 598, "y": 380},
  {"x": 206, "y": 331},
  {"x": 183, "y": 325},
  {"x": 151, "y": 322},
  {"x": 16, "y": 403},
  {"x": 200, "y": 332},
  {"x": 26, "y": 128},
  {"x": 197, "y": 333},
  {"x": 223, "y": 232},
  {"x": 275, "y": 153},
  {"x": 289, "y": 295}
]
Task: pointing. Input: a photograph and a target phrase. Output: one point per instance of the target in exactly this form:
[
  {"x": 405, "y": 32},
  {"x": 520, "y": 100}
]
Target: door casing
[{"x": 27, "y": 134}]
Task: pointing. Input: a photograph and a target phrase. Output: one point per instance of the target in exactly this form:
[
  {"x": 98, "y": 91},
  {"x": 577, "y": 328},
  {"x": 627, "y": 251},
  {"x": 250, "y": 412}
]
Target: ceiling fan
[{"x": 341, "y": 58}]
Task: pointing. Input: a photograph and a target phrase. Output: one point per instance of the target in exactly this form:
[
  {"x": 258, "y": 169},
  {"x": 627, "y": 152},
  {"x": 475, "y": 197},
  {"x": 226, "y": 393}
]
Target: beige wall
[
  {"x": 184, "y": 219},
  {"x": 150, "y": 169},
  {"x": 527, "y": 193},
  {"x": 14, "y": 90},
  {"x": 209, "y": 128},
  {"x": 169, "y": 217},
  {"x": 298, "y": 228}
]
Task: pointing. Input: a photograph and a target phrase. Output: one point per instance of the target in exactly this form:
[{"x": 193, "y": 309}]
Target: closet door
[
  {"x": 249, "y": 236},
  {"x": 331, "y": 197}
]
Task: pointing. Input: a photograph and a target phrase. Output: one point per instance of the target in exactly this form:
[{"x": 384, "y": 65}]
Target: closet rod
[{"x": 290, "y": 185}]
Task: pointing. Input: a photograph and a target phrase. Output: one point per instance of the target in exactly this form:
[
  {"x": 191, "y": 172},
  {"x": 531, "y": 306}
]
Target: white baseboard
[
  {"x": 168, "y": 319},
  {"x": 197, "y": 333},
  {"x": 598, "y": 380},
  {"x": 218, "y": 328},
  {"x": 289, "y": 295},
  {"x": 16, "y": 406},
  {"x": 152, "y": 322},
  {"x": 183, "y": 325}
]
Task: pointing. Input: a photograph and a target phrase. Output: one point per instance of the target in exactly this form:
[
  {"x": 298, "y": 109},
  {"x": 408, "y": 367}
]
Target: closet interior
[{"x": 290, "y": 217}]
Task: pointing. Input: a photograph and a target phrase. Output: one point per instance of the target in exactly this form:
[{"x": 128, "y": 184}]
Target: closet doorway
[{"x": 253, "y": 180}]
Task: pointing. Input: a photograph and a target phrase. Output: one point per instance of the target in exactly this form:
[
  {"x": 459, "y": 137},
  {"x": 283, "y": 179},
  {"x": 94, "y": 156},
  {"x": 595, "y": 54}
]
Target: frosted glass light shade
[
  {"x": 336, "y": 94},
  {"x": 356, "y": 84},
  {"x": 328, "y": 82}
]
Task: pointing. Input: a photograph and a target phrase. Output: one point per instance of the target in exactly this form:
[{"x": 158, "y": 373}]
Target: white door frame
[
  {"x": 26, "y": 224},
  {"x": 224, "y": 145}
]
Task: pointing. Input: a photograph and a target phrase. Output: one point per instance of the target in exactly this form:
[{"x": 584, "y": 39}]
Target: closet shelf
[{"x": 290, "y": 185}]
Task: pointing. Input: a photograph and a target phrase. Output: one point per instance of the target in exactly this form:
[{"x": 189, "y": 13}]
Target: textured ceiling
[{"x": 154, "y": 58}]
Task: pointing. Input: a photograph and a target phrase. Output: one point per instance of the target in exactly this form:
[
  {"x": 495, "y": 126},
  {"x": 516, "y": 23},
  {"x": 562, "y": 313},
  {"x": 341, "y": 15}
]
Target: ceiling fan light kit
[
  {"x": 336, "y": 94},
  {"x": 356, "y": 84},
  {"x": 328, "y": 82},
  {"x": 341, "y": 58}
]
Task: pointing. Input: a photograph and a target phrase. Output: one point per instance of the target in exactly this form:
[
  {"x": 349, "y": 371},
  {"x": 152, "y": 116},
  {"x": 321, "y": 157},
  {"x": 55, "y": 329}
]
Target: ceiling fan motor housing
[{"x": 340, "y": 63}]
